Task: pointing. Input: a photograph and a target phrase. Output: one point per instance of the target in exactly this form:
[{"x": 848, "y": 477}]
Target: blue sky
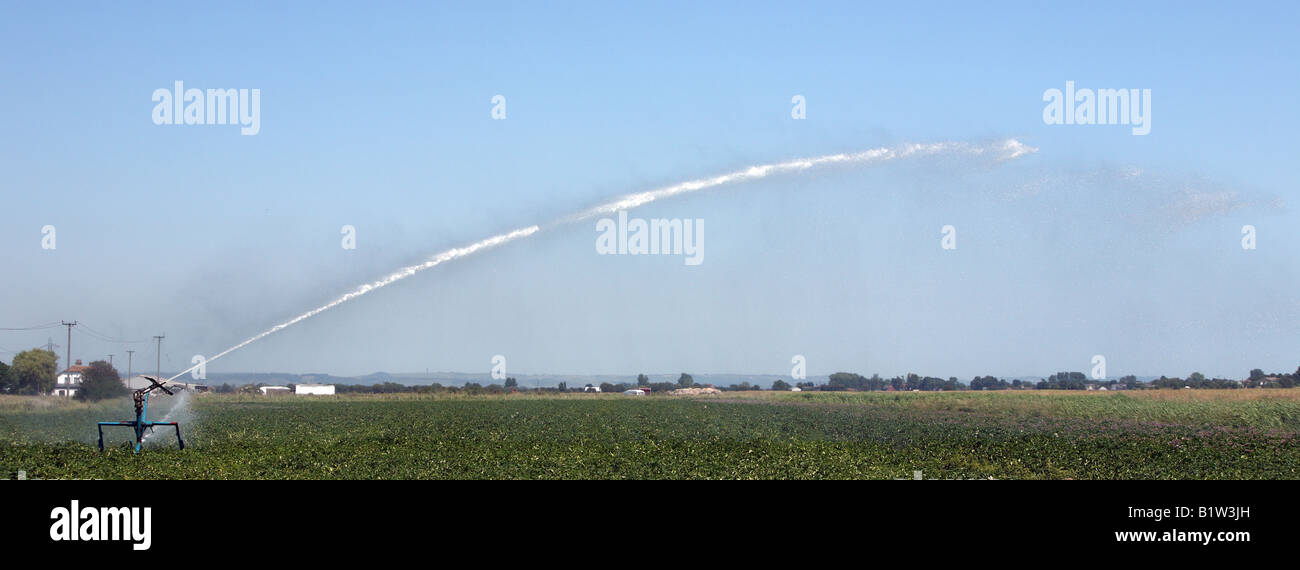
[{"x": 379, "y": 117}]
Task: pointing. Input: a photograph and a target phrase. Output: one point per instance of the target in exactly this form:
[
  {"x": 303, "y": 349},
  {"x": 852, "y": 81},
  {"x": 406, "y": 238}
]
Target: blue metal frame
[{"x": 141, "y": 424}]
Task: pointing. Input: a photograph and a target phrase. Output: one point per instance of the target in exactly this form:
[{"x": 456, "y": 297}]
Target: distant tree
[
  {"x": 34, "y": 371},
  {"x": 1064, "y": 381},
  {"x": 606, "y": 387},
  {"x": 661, "y": 387},
  {"x": 512, "y": 383},
  {"x": 564, "y": 386},
  {"x": 931, "y": 384},
  {"x": 685, "y": 381},
  {"x": 1163, "y": 382},
  {"x": 100, "y": 381},
  {"x": 913, "y": 382},
  {"x": 988, "y": 383},
  {"x": 847, "y": 381},
  {"x": 6, "y": 384},
  {"x": 781, "y": 385},
  {"x": 642, "y": 380}
]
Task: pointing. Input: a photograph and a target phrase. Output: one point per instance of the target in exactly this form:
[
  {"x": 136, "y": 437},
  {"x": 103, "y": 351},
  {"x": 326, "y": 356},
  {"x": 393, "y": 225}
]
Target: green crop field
[{"x": 1184, "y": 434}]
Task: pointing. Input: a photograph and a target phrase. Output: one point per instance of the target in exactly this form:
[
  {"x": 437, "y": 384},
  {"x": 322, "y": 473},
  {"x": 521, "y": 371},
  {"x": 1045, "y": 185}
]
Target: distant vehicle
[
  {"x": 634, "y": 392},
  {"x": 591, "y": 388}
]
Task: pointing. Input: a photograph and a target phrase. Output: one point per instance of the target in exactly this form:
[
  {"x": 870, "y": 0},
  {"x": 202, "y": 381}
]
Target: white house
[
  {"x": 68, "y": 381},
  {"x": 314, "y": 389}
]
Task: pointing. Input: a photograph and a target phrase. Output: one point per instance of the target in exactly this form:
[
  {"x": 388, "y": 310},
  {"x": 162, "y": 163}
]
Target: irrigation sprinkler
[{"x": 141, "y": 424}]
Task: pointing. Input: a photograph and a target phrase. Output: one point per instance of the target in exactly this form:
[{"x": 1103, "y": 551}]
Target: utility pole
[
  {"x": 159, "y": 339},
  {"x": 110, "y": 360},
  {"x": 129, "y": 356},
  {"x": 67, "y": 365}
]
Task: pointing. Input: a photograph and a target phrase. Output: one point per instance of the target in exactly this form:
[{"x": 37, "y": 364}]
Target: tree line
[
  {"x": 843, "y": 381},
  {"x": 1057, "y": 381},
  {"x": 35, "y": 372}
]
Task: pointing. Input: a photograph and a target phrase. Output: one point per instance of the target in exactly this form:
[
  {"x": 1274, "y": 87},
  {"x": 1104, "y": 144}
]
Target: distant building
[
  {"x": 274, "y": 390},
  {"x": 69, "y": 381},
  {"x": 314, "y": 389}
]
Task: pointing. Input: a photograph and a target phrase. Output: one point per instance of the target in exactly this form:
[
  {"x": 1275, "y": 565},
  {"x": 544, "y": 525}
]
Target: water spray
[{"x": 1004, "y": 150}]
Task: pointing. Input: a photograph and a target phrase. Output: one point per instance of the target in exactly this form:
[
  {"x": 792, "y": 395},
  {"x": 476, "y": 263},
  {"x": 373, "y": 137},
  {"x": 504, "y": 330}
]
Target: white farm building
[
  {"x": 69, "y": 381},
  {"x": 314, "y": 389}
]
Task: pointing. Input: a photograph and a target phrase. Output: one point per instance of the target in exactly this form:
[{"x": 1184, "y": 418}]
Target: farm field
[{"x": 1183, "y": 434}]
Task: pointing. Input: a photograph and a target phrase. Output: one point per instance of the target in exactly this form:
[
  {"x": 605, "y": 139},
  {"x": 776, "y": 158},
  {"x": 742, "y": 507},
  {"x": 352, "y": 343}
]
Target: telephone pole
[
  {"x": 110, "y": 360},
  {"x": 129, "y": 355},
  {"x": 67, "y": 364},
  {"x": 159, "y": 339}
]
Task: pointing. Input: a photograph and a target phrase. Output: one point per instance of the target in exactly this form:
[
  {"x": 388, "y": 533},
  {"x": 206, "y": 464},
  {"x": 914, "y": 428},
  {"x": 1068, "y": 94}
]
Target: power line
[
  {"x": 33, "y": 328},
  {"x": 103, "y": 338},
  {"x": 109, "y": 338}
]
